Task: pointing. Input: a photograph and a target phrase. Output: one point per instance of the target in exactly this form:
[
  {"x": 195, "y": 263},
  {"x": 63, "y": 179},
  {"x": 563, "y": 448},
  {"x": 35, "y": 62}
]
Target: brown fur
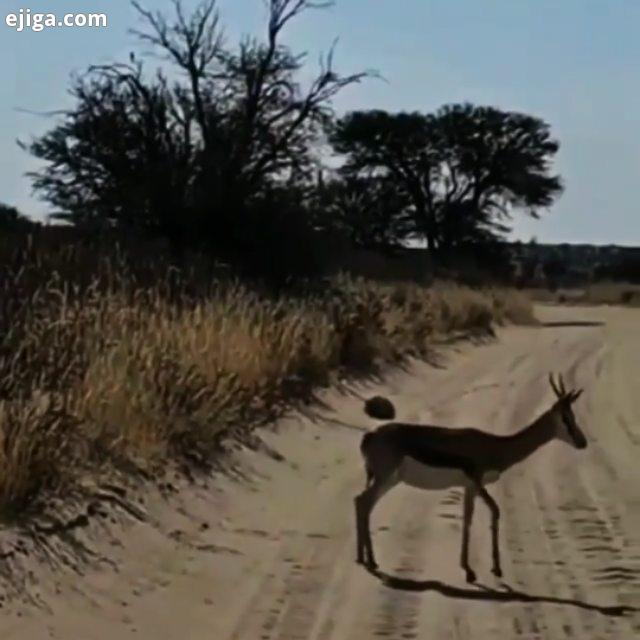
[{"x": 447, "y": 457}]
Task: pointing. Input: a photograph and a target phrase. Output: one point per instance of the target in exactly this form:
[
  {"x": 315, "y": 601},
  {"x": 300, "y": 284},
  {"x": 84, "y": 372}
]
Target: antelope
[{"x": 436, "y": 458}]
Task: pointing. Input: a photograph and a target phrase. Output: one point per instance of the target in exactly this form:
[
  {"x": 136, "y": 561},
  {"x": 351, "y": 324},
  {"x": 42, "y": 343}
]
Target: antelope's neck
[{"x": 522, "y": 444}]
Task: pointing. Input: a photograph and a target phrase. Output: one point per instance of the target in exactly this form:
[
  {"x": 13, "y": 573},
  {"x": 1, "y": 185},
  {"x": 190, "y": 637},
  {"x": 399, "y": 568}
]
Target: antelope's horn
[
  {"x": 561, "y": 383},
  {"x": 554, "y": 386}
]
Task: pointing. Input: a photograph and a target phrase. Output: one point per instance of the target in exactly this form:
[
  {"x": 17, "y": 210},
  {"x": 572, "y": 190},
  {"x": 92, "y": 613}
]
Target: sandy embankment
[{"x": 269, "y": 554}]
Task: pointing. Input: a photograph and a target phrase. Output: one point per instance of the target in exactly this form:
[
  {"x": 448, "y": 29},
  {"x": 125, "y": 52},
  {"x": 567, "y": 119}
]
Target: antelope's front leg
[
  {"x": 360, "y": 559},
  {"x": 468, "y": 508},
  {"x": 495, "y": 521},
  {"x": 364, "y": 546},
  {"x": 365, "y": 503},
  {"x": 367, "y": 506}
]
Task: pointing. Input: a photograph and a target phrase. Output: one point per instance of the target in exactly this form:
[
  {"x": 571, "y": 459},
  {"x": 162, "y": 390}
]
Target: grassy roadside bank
[{"x": 106, "y": 366}]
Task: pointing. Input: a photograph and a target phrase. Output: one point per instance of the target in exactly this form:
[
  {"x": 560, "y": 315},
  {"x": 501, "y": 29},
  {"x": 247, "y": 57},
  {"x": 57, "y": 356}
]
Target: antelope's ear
[{"x": 575, "y": 395}]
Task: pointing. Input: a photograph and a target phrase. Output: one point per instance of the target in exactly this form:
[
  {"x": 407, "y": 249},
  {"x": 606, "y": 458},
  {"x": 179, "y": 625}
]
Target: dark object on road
[{"x": 380, "y": 408}]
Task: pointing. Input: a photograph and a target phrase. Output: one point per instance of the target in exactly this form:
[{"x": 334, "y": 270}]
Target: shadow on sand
[
  {"x": 572, "y": 323},
  {"x": 306, "y": 399},
  {"x": 493, "y": 595}
]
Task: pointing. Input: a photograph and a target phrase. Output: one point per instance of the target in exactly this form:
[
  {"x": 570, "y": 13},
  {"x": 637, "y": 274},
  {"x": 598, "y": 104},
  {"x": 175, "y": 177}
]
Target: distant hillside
[
  {"x": 524, "y": 263},
  {"x": 578, "y": 253},
  {"x": 574, "y": 263}
]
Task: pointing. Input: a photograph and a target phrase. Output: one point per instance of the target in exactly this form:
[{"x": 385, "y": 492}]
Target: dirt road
[{"x": 269, "y": 554}]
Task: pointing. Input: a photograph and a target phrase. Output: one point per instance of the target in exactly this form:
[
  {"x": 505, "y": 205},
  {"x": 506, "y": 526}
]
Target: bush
[{"x": 627, "y": 296}]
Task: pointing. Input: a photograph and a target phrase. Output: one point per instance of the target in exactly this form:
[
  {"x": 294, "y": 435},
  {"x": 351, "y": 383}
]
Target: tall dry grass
[{"x": 108, "y": 361}]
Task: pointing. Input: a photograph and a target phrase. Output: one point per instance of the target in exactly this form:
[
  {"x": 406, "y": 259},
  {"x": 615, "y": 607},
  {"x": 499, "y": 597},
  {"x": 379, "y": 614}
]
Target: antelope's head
[{"x": 567, "y": 425}]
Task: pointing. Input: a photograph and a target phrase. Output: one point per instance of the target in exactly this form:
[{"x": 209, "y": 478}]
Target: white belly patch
[{"x": 422, "y": 476}]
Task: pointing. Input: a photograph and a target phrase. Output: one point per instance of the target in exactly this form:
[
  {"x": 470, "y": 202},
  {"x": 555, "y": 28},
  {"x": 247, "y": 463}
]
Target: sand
[{"x": 266, "y": 551}]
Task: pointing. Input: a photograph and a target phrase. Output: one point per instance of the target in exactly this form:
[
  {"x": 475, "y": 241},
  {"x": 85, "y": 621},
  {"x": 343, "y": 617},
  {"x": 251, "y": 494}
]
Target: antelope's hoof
[
  {"x": 372, "y": 565},
  {"x": 471, "y": 576},
  {"x": 497, "y": 572}
]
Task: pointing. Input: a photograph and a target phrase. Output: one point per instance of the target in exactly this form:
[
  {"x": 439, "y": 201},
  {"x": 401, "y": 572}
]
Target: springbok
[{"x": 429, "y": 457}]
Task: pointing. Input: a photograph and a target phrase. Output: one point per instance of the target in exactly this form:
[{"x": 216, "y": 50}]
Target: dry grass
[
  {"x": 613, "y": 293},
  {"x": 102, "y": 365}
]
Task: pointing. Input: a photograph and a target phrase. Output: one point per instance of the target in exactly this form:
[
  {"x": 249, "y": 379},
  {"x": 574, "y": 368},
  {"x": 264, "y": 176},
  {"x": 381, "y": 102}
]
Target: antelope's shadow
[
  {"x": 572, "y": 323},
  {"x": 488, "y": 594}
]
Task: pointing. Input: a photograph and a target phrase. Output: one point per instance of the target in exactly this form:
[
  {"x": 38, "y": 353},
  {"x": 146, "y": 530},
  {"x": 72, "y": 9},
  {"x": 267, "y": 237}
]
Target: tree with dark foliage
[
  {"x": 464, "y": 169},
  {"x": 202, "y": 159},
  {"x": 369, "y": 211},
  {"x": 394, "y": 147},
  {"x": 623, "y": 268},
  {"x": 12, "y": 220},
  {"x": 218, "y": 149}
]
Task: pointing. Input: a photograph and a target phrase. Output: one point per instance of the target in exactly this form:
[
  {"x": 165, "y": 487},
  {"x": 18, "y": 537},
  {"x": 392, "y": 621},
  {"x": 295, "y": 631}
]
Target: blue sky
[{"x": 574, "y": 63}]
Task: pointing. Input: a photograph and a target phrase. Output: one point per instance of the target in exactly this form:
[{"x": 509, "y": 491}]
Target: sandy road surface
[{"x": 269, "y": 555}]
